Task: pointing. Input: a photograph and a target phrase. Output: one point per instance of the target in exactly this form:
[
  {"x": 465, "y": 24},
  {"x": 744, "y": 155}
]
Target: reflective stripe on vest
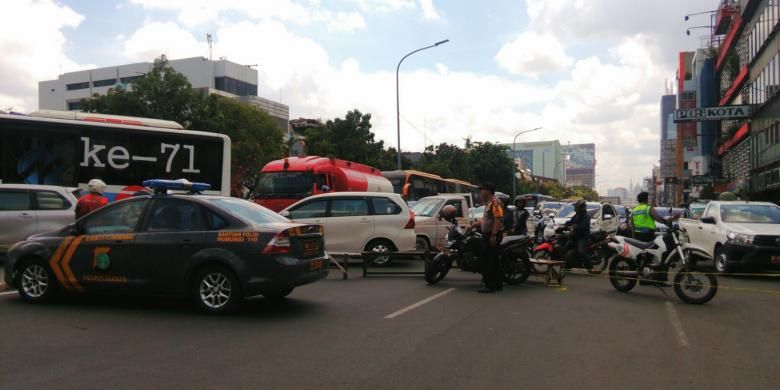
[{"x": 641, "y": 217}]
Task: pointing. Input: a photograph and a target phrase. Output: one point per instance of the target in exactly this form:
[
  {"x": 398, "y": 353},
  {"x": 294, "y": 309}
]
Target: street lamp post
[
  {"x": 397, "y": 97},
  {"x": 514, "y": 151}
]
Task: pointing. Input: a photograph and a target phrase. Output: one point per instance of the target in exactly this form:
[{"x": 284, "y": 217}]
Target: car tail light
[
  {"x": 280, "y": 244},
  {"x": 410, "y": 223}
]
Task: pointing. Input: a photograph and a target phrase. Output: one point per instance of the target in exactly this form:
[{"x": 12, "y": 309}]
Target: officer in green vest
[{"x": 643, "y": 218}]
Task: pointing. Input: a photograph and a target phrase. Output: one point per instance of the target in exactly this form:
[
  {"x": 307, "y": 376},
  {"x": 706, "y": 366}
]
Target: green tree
[
  {"x": 490, "y": 162},
  {"x": 445, "y": 160},
  {"x": 166, "y": 94}
]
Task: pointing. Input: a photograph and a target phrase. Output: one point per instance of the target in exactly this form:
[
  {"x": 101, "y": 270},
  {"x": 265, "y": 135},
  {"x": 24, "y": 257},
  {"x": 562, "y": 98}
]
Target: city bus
[
  {"x": 415, "y": 185},
  {"x": 68, "y": 148},
  {"x": 288, "y": 180}
]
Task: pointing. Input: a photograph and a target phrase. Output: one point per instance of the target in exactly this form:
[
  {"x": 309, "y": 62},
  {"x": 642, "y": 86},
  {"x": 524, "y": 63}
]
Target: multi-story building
[
  {"x": 748, "y": 69},
  {"x": 581, "y": 167},
  {"x": 668, "y": 146},
  {"x": 220, "y": 77},
  {"x": 619, "y": 192},
  {"x": 544, "y": 159}
]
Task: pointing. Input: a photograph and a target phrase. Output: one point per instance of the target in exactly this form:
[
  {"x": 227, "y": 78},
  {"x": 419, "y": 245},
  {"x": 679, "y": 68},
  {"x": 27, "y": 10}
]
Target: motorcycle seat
[
  {"x": 511, "y": 239},
  {"x": 639, "y": 244}
]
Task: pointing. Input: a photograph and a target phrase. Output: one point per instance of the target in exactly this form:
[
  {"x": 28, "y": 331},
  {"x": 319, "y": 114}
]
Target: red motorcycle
[{"x": 561, "y": 246}]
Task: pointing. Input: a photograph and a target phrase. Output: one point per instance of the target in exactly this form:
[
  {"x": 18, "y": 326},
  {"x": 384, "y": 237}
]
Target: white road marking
[
  {"x": 674, "y": 320},
  {"x": 8, "y": 293},
  {"x": 418, "y": 304}
]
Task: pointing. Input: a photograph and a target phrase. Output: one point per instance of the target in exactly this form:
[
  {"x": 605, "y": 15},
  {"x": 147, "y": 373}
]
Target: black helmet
[
  {"x": 579, "y": 204},
  {"x": 520, "y": 199},
  {"x": 643, "y": 197}
]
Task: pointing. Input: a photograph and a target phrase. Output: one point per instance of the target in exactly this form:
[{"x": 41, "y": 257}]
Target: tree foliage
[{"x": 166, "y": 94}]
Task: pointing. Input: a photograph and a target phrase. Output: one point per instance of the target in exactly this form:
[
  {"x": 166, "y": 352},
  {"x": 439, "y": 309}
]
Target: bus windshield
[{"x": 284, "y": 185}]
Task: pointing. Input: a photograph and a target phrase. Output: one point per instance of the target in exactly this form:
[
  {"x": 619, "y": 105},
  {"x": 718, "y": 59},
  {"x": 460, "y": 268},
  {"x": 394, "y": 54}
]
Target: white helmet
[{"x": 96, "y": 185}]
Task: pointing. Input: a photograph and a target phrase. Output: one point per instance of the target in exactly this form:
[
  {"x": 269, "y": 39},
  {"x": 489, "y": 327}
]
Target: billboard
[
  {"x": 525, "y": 159},
  {"x": 580, "y": 155}
]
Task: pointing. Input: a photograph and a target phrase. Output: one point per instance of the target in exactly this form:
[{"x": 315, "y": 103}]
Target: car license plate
[
  {"x": 316, "y": 264},
  {"x": 775, "y": 259},
  {"x": 311, "y": 248}
]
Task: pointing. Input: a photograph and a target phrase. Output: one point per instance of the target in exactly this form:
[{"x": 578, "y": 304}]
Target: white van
[{"x": 358, "y": 222}]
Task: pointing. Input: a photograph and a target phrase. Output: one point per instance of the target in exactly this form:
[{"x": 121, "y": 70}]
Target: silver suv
[{"x": 27, "y": 209}]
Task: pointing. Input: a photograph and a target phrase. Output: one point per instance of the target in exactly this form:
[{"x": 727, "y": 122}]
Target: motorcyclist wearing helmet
[
  {"x": 92, "y": 200},
  {"x": 643, "y": 218},
  {"x": 581, "y": 231},
  {"x": 520, "y": 217}
]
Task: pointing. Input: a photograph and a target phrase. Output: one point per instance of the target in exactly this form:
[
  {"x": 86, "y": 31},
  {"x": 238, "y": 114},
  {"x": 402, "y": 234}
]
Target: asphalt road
[{"x": 336, "y": 334}]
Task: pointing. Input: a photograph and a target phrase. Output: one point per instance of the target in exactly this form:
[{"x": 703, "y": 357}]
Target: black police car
[{"x": 216, "y": 249}]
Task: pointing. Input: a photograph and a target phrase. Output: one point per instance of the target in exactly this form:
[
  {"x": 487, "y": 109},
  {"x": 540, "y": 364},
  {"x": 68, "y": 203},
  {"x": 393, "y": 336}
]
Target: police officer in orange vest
[{"x": 93, "y": 200}]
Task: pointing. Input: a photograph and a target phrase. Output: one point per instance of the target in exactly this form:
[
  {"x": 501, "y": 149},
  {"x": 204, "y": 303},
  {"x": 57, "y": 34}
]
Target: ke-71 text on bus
[{"x": 69, "y": 148}]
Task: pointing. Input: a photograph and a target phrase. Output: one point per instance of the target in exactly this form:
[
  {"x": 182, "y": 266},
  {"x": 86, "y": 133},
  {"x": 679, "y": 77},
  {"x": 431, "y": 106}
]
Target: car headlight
[{"x": 739, "y": 238}]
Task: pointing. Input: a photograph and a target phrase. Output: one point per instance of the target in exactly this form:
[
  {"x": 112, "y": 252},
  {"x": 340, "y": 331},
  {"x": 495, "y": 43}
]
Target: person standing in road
[
  {"x": 581, "y": 234},
  {"x": 520, "y": 218},
  {"x": 643, "y": 218},
  {"x": 492, "y": 223},
  {"x": 93, "y": 200}
]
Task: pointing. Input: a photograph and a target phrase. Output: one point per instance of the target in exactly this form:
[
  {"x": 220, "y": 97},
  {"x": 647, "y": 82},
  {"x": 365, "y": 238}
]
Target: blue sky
[{"x": 585, "y": 70}]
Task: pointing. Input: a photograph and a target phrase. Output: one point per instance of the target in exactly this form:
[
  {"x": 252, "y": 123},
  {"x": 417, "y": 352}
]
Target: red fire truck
[{"x": 284, "y": 182}]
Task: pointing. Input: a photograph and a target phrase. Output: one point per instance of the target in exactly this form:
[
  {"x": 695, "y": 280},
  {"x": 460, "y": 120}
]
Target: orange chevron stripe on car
[
  {"x": 66, "y": 263},
  {"x": 56, "y": 258}
]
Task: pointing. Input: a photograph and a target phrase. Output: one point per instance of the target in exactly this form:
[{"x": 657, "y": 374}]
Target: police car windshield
[{"x": 251, "y": 211}]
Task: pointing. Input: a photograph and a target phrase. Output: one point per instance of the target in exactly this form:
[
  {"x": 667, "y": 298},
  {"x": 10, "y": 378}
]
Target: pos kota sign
[{"x": 711, "y": 113}]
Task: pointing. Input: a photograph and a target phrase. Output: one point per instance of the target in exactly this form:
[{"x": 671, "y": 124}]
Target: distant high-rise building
[
  {"x": 543, "y": 159},
  {"x": 581, "y": 166}
]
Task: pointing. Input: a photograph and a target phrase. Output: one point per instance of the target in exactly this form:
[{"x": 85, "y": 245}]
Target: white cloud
[
  {"x": 154, "y": 39},
  {"x": 429, "y": 10},
  {"x": 346, "y": 21},
  {"x": 32, "y": 46},
  {"x": 384, "y": 5},
  {"x": 532, "y": 54}
]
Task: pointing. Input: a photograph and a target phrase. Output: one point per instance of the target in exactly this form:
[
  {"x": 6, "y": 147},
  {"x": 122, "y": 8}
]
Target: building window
[
  {"x": 128, "y": 80},
  {"x": 76, "y": 86},
  {"x": 236, "y": 87},
  {"x": 74, "y": 106},
  {"x": 104, "y": 83}
]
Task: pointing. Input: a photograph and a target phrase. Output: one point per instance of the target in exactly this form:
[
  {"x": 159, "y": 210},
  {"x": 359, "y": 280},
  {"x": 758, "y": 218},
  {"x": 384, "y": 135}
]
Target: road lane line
[
  {"x": 418, "y": 304},
  {"x": 8, "y": 293},
  {"x": 674, "y": 320}
]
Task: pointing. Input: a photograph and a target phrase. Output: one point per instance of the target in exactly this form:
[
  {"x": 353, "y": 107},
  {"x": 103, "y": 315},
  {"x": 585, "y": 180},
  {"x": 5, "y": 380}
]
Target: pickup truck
[
  {"x": 430, "y": 228},
  {"x": 737, "y": 234}
]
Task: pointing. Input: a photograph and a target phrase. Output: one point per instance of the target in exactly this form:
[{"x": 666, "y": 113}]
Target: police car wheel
[
  {"x": 216, "y": 290},
  {"x": 36, "y": 282}
]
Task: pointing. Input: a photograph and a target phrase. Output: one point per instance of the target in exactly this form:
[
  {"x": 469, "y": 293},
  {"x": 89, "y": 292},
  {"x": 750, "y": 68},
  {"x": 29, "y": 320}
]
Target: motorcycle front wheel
[
  {"x": 516, "y": 270},
  {"x": 543, "y": 255},
  {"x": 437, "y": 269},
  {"x": 695, "y": 287},
  {"x": 622, "y": 273}
]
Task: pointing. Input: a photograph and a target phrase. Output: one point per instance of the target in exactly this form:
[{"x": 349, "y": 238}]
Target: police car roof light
[{"x": 162, "y": 186}]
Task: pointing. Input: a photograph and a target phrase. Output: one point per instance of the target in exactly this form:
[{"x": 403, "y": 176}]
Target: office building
[
  {"x": 543, "y": 159},
  {"x": 581, "y": 166},
  {"x": 221, "y": 77}
]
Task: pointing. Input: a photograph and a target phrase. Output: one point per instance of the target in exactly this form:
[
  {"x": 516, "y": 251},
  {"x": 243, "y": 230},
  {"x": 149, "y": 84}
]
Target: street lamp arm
[{"x": 398, "y": 98}]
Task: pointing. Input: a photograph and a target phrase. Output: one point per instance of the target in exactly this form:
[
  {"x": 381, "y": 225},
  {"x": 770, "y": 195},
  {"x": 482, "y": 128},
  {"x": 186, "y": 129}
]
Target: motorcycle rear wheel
[
  {"x": 688, "y": 282},
  {"x": 437, "y": 269},
  {"x": 620, "y": 282},
  {"x": 516, "y": 270}
]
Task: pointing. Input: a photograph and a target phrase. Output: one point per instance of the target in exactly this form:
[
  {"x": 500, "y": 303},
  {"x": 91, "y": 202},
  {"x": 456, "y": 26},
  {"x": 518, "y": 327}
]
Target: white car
[
  {"x": 358, "y": 222},
  {"x": 603, "y": 217},
  {"x": 27, "y": 209},
  {"x": 737, "y": 233}
]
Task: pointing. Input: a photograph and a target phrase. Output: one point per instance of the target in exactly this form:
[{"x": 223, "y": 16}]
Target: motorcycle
[
  {"x": 465, "y": 248},
  {"x": 559, "y": 245},
  {"x": 649, "y": 264}
]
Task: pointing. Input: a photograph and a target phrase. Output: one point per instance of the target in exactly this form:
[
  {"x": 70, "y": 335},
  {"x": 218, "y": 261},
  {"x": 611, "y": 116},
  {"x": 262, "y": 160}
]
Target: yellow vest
[{"x": 642, "y": 219}]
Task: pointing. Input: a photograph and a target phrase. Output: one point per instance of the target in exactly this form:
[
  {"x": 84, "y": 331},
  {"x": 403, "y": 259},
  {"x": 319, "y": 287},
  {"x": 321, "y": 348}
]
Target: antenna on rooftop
[{"x": 209, "y": 40}]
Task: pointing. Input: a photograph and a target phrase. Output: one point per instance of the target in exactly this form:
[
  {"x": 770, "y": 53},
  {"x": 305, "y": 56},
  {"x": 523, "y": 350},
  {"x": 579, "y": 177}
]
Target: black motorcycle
[
  {"x": 466, "y": 248},
  {"x": 561, "y": 246}
]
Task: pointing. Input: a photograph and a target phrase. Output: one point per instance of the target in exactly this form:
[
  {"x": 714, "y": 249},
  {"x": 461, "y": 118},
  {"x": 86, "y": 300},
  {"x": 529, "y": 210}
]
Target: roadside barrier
[
  {"x": 344, "y": 265},
  {"x": 369, "y": 258}
]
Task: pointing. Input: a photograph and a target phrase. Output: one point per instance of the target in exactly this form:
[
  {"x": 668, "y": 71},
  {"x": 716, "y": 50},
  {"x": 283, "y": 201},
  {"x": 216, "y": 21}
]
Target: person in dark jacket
[
  {"x": 520, "y": 217},
  {"x": 581, "y": 235}
]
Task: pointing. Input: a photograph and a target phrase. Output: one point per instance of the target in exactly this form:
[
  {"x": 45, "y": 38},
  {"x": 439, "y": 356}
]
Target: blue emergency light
[{"x": 162, "y": 186}]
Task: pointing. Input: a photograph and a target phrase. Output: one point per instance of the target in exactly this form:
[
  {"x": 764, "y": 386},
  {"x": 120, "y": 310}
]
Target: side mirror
[
  {"x": 608, "y": 217},
  {"x": 551, "y": 215},
  {"x": 285, "y": 213},
  {"x": 709, "y": 220}
]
